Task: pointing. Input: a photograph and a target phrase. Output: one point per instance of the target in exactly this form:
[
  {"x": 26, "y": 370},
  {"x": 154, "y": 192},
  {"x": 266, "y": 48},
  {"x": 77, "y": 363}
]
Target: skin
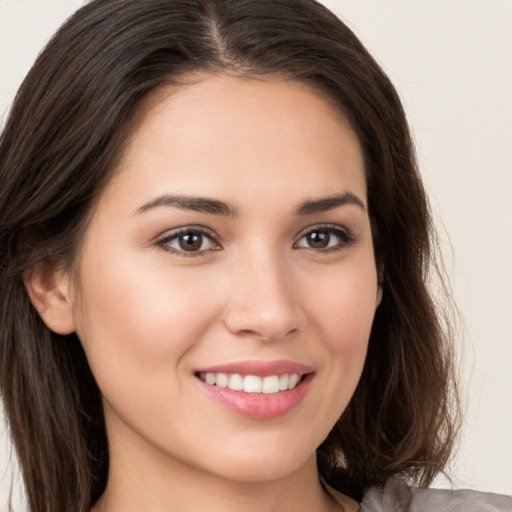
[{"x": 149, "y": 317}]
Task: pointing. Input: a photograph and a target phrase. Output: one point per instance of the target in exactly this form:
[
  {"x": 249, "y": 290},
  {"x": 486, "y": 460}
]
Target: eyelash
[
  {"x": 195, "y": 230},
  {"x": 346, "y": 239}
]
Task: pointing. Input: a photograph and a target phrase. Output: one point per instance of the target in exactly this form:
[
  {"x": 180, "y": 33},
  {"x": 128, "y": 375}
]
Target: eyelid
[
  {"x": 348, "y": 238},
  {"x": 344, "y": 234},
  {"x": 172, "y": 234}
]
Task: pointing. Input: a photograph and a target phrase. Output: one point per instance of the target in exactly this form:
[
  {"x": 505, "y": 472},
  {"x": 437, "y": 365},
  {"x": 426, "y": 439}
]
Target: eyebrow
[
  {"x": 197, "y": 204},
  {"x": 329, "y": 203},
  {"x": 216, "y": 207}
]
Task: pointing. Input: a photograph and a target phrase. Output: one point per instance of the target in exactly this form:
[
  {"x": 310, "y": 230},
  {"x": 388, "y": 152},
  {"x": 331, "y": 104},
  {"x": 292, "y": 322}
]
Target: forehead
[{"x": 222, "y": 135}]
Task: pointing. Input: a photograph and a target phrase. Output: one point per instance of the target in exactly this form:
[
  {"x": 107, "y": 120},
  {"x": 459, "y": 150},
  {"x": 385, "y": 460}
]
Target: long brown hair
[{"x": 59, "y": 147}]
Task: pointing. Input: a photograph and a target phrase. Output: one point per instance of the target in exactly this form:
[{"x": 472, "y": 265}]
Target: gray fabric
[{"x": 396, "y": 496}]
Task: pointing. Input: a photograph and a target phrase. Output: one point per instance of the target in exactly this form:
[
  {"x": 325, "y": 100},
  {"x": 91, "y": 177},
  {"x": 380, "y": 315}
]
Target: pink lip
[
  {"x": 259, "y": 405},
  {"x": 259, "y": 368}
]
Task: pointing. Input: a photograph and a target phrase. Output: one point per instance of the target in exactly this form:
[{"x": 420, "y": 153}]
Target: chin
[{"x": 262, "y": 465}]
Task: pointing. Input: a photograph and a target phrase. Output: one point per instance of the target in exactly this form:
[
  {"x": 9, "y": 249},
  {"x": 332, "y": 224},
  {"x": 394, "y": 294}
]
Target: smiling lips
[
  {"x": 252, "y": 383},
  {"x": 261, "y": 390}
]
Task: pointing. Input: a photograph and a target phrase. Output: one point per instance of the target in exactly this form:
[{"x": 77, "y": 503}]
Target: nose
[{"x": 263, "y": 300}]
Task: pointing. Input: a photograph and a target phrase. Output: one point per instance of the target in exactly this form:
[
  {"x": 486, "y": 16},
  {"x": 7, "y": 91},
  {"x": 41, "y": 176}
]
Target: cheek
[
  {"x": 345, "y": 305},
  {"x": 343, "y": 315},
  {"x": 135, "y": 319}
]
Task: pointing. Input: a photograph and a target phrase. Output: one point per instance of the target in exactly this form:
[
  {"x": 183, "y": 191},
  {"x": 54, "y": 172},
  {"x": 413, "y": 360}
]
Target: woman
[{"x": 214, "y": 247}]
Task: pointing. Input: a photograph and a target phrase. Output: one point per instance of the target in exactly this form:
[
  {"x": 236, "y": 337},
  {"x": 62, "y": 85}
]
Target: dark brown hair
[{"x": 59, "y": 147}]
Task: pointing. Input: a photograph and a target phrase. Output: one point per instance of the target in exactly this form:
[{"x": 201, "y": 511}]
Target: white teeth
[
  {"x": 293, "y": 380},
  {"x": 236, "y": 382},
  {"x": 283, "y": 382},
  {"x": 252, "y": 383},
  {"x": 222, "y": 380},
  {"x": 211, "y": 378},
  {"x": 270, "y": 385}
]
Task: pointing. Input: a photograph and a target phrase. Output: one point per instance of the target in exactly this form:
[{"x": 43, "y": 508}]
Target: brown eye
[
  {"x": 325, "y": 238},
  {"x": 318, "y": 239},
  {"x": 188, "y": 242}
]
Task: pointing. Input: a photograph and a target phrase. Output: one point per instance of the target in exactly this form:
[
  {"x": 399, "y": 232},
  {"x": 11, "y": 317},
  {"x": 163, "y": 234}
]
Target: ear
[{"x": 48, "y": 287}]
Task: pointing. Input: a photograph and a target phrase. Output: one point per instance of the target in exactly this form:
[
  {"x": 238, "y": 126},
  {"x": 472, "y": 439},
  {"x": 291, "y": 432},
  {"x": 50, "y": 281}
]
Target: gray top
[{"x": 396, "y": 496}]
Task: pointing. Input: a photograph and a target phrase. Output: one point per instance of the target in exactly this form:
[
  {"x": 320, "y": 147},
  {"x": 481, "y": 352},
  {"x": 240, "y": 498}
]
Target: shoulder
[{"x": 396, "y": 496}]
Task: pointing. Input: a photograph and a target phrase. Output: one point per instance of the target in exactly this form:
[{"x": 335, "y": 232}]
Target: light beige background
[{"x": 451, "y": 61}]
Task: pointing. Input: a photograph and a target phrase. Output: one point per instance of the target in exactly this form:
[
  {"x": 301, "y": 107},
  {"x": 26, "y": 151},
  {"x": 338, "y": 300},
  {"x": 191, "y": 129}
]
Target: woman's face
[{"x": 232, "y": 249}]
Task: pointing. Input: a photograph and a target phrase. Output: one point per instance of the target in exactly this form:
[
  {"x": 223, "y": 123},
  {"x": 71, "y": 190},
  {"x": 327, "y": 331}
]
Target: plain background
[{"x": 451, "y": 61}]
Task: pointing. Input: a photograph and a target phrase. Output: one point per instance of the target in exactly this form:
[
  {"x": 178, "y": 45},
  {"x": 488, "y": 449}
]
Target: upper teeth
[{"x": 252, "y": 383}]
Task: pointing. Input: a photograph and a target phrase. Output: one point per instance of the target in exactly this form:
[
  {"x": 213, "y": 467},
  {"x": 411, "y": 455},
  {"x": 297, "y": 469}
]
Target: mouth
[
  {"x": 257, "y": 390},
  {"x": 268, "y": 385}
]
